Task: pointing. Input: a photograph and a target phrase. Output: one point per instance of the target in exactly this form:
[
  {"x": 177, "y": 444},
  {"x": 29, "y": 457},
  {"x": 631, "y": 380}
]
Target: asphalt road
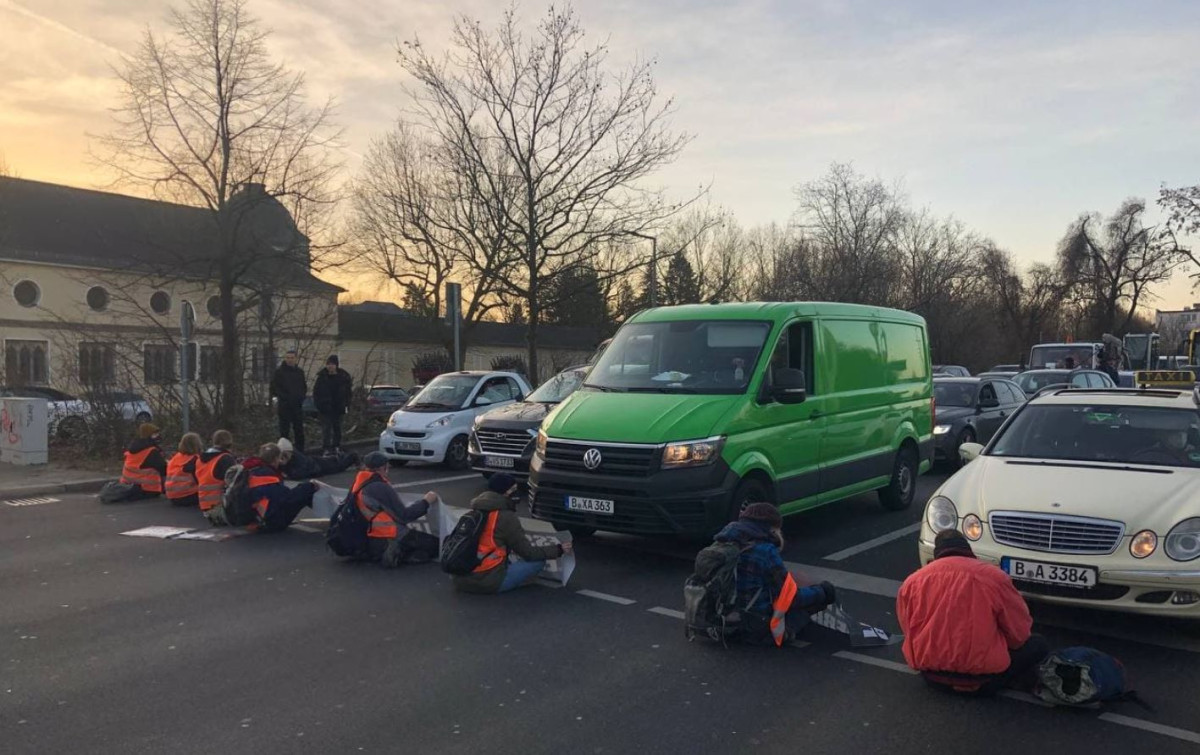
[{"x": 269, "y": 644}]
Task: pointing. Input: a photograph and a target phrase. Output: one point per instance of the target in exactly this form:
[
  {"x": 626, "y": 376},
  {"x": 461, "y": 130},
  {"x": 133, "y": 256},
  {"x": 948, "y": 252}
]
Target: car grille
[
  {"x": 512, "y": 442},
  {"x": 404, "y": 434},
  {"x": 1056, "y": 534},
  {"x": 629, "y": 461}
]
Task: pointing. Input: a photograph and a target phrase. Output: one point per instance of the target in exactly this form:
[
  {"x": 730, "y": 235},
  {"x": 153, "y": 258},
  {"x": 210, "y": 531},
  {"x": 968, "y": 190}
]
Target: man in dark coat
[
  {"x": 297, "y": 465},
  {"x": 288, "y": 388},
  {"x": 331, "y": 394}
]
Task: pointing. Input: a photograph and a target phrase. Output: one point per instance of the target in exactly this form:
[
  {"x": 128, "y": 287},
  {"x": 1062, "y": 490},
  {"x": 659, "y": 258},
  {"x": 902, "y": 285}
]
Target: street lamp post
[{"x": 653, "y": 264}]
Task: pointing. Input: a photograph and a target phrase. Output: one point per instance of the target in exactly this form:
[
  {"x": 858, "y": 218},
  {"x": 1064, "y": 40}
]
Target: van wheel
[
  {"x": 749, "y": 490},
  {"x": 456, "y": 453},
  {"x": 902, "y": 488}
]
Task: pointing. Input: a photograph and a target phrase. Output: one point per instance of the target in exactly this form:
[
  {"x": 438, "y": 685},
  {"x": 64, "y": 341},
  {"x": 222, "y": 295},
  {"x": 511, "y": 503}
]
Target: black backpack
[
  {"x": 347, "y": 532},
  {"x": 710, "y": 594},
  {"x": 460, "y": 550},
  {"x": 239, "y": 509}
]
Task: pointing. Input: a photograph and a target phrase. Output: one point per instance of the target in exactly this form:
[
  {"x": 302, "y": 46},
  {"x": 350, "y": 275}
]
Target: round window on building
[
  {"x": 160, "y": 302},
  {"x": 214, "y": 307},
  {"x": 27, "y": 293},
  {"x": 97, "y": 298}
]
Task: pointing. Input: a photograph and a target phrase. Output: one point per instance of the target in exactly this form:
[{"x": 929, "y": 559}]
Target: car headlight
[
  {"x": 541, "y": 443},
  {"x": 940, "y": 514},
  {"x": 693, "y": 453},
  {"x": 394, "y": 418},
  {"x": 1143, "y": 544},
  {"x": 441, "y": 421},
  {"x": 1183, "y": 541},
  {"x": 972, "y": 527},
  {"x": 941, "y": 429}
]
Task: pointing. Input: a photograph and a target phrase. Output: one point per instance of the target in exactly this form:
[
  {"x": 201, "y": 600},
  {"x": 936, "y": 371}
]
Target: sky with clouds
[{"x": 1012, "y": 116}]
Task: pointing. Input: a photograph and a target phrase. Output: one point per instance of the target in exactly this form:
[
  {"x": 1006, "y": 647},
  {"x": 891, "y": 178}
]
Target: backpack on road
[{"x": 710, "y": 594}]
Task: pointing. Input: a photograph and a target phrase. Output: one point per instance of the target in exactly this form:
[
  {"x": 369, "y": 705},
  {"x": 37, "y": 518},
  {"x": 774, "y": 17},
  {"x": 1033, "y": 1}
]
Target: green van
[{"x": 693, "y": 411}]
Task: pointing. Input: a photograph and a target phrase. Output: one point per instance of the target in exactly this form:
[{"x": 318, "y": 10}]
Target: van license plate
[
  {"x": 1049, "y": 574},
  {"x": 589, "y": 505},
  {"x": 504, "y": 462}
]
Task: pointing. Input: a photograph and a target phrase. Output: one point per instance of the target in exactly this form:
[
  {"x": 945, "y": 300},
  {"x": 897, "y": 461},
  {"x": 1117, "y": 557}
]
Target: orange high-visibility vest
[
  {"x": 208, "y": 487},
  {"x": 180, "y": 484},
  {"x": 133, "y": 474},
  {"x": 380, "y": 523},
  {"x": 490, "y": 554},
  {"x": 262, "y": 480},
  {"x": 780, "y": 608}
]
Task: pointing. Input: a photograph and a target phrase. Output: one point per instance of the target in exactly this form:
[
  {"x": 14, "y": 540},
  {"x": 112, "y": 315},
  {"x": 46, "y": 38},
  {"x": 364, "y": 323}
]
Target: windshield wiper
[
  {"x": 430, "y": 405},
  {"x": 603, "y": 388}
]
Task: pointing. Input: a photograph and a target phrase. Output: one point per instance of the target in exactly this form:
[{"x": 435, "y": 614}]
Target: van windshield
[{"x": 694, "y": 356}]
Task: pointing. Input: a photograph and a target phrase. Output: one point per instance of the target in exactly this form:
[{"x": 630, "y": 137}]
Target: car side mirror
[
  {"x": 483, "y": 401},
  {"x": 969, "y": 451},
  {"x": 788, "y": 386},
  {"x": 519, "y": 397},
  {"x": 988, "y": 403}
]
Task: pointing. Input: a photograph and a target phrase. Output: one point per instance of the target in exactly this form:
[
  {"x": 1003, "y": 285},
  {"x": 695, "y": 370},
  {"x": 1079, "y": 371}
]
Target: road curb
[{"x": 75, "y": 486}]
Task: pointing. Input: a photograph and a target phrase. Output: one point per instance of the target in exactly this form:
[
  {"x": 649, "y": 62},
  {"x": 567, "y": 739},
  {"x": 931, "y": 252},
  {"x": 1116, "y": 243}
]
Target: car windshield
[
  {"x": 1080, "y": 355},
  {"x": 953, "y": 394},
  {"x": 692, "y": 356},
  {"x": 388, "y": 394},
  {"x": 558, "y": 387},
  {"x": 445, "y": 392},
  {"x": 1035, "y": 380},
  {"x": 1121, "y": 434}
]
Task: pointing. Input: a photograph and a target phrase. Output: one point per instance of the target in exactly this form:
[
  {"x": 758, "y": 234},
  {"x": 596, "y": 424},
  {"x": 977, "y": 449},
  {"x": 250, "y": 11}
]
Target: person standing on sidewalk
[
  {"x": 288, "y": 388},
  {"x": 331, "y": 394}
]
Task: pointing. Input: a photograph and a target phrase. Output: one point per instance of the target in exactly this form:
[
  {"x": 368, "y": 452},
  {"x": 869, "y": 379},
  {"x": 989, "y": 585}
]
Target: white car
[
  {"x": 1086, "y": 497},
  {"x": 70, "y": 417},
  {"x": 435, "y": 425}
]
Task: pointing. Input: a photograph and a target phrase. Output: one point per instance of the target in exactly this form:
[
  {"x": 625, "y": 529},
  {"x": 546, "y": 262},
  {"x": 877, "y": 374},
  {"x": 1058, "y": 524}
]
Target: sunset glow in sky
[{"x": 1012, "y": 116}]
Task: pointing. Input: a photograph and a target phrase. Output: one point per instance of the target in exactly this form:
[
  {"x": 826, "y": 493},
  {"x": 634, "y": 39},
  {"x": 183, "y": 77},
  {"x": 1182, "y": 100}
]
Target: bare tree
[
  {"x": 206, "y": 118},
  {"x": 1029, "y": 307},
  {"x": 1183, "y": 208},
  {"x": 543, "y": 114}
]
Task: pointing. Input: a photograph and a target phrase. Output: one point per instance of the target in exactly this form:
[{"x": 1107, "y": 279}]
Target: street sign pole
[
  {"x": 187, "y": 322},
  {"x": 453, "y": 313}
]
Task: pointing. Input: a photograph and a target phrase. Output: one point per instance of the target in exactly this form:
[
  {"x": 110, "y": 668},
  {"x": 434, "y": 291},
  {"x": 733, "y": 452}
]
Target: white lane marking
[
  {"x": 854, "y": 550},
  {"x": 605, "y": 596},
  {"x": 1137, "y": 723},
  {"x": 436, "y": 480},
  {"x": 305, "y": 528},
  {"x": 30, "y": 501},
  {"x": 887, "y": 588},
  {"x": 871, "y": 660},
  {"x": 668, "y": 612}
]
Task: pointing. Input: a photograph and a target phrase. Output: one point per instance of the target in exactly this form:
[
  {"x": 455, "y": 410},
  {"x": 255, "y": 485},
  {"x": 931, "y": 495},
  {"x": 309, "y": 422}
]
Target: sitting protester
[
  {"x": 966, "y": 628},
  {"x": 503, "y": 535},
  {"x": 210, "y": 475},
  {"x": 145, "y": 466},
  {"x": 300, "y": 466},
  {"x": 181, "y": 483},
  {"x": 774, "y": 604},
  {"x": 275, "y": 504},
  {"x": 390, "y": 541}
]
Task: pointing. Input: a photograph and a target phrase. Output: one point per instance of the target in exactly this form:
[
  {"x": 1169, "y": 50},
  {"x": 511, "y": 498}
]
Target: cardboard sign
[{"x": 861, "y": 635}]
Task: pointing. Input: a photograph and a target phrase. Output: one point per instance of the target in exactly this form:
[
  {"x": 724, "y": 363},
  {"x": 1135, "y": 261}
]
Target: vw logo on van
[{"x": 592, "y": 458}]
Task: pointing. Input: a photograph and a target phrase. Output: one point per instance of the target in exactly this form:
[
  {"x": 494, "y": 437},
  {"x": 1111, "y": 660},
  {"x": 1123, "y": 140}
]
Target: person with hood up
[
  {"x": 774, "y": 603},
  {"x": 331, "y": 394},
  {"x": 300, "y": 466},
  {"x": 288, "y": 388},
  {"x": 966, "y": 628},
  {"x": 503, "y": 536},
  {"x": 145, "y": 466}
]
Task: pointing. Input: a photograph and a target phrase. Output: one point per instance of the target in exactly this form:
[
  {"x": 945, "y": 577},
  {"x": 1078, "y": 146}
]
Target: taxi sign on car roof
[{"x": 1164, "y": 378}]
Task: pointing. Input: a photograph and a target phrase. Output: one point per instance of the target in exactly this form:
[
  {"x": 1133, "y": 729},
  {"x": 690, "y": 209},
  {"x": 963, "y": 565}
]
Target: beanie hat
[
  {"x": 375, "y": 460},
  {"x": 951, "y": 543},
  {"x": 285, "y": 445},
  {"x": 501, "y": 483},
  {"x": 333, "y": 359},
  {"x": 762, "y": 512},
  {"x": 147, "y": 430}
]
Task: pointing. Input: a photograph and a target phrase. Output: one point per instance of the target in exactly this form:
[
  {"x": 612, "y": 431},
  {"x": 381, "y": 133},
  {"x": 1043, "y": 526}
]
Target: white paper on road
[
  {"x": 162, "y": 533},
  {"x": 439, "y": 521},
  {"x": 213, "y": 535},
  {"x": 558, "y": 569},
  {"x": 861, "y": 635},
  {"x": 326, "y": 500}
]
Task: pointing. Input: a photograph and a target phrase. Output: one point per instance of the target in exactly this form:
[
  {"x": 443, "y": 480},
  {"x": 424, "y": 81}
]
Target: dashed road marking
[
  {"x": 1137, "y": 723},
  {"x": 30, "y": 501},
  {"x": 854, "y": 550},
  {"x": 436, "y": 480},
  {"x": 871, "y": 660},
  {"x": 605, "y": 596},
  {"x": 669, "y": 612}
]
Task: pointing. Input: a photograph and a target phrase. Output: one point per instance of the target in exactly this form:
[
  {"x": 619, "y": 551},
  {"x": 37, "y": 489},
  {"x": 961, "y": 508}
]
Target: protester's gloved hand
[{"x": 830, "y": 593}]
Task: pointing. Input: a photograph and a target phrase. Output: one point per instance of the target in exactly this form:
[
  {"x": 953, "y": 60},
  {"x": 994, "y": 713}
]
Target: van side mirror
[
  {"x": 969, "y": 451},
  {"x": 787, "y": 386}
]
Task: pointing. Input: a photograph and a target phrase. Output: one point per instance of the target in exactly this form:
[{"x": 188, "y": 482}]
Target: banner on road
[{"x": 861, "y": 635}]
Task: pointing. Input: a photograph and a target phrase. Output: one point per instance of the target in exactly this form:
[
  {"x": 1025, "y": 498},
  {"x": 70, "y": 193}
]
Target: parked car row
[{"x": 70, "y": 416}]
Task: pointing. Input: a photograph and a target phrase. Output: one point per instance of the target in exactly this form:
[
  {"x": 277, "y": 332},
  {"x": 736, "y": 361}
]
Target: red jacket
[{"x": 962, "y": 616}]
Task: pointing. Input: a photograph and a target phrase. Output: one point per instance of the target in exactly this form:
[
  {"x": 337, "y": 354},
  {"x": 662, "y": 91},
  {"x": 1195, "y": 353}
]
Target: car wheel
[
  {"x": 902, "y": 488},
  {"x": 71, "y": 428},
  {"x": 142, "y": 417},
  {"x": 456, "y": 453},
  {"x": 749, "y": 490},
  {"x": 968, "y": 436}
]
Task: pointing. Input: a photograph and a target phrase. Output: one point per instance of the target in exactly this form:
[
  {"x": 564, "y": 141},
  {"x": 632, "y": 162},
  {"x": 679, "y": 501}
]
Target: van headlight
[
  {"x": 1183, "y": 541},
  {"x": 941, "y": 429},
  {"x": 940, "y": 514},
  {"x": 694, "y": 453},
  {"x": 441, "y": 421},
  {"x": 540, "y": 446}
]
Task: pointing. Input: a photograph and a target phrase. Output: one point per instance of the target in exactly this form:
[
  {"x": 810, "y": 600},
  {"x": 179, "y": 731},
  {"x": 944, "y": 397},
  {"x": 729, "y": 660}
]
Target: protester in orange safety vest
[
  {"x": 144, "y": 464},
  {"x": 503, "y": 535},
  {"x": 181, "y": 482},
  {"x": 389, "y": 539},
  {"x": 774, "y": 603},
  {"x": 275, "y": 504},
  {"x": 210, "y": 475}
]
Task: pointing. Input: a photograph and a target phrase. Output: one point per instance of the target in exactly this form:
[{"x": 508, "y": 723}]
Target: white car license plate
[
  {"x": 504, "y": 462},
  {"x": 589, "y": 505},
  {"x": 408, "y": 448},
  {"x": 1049, "y": 574}
]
